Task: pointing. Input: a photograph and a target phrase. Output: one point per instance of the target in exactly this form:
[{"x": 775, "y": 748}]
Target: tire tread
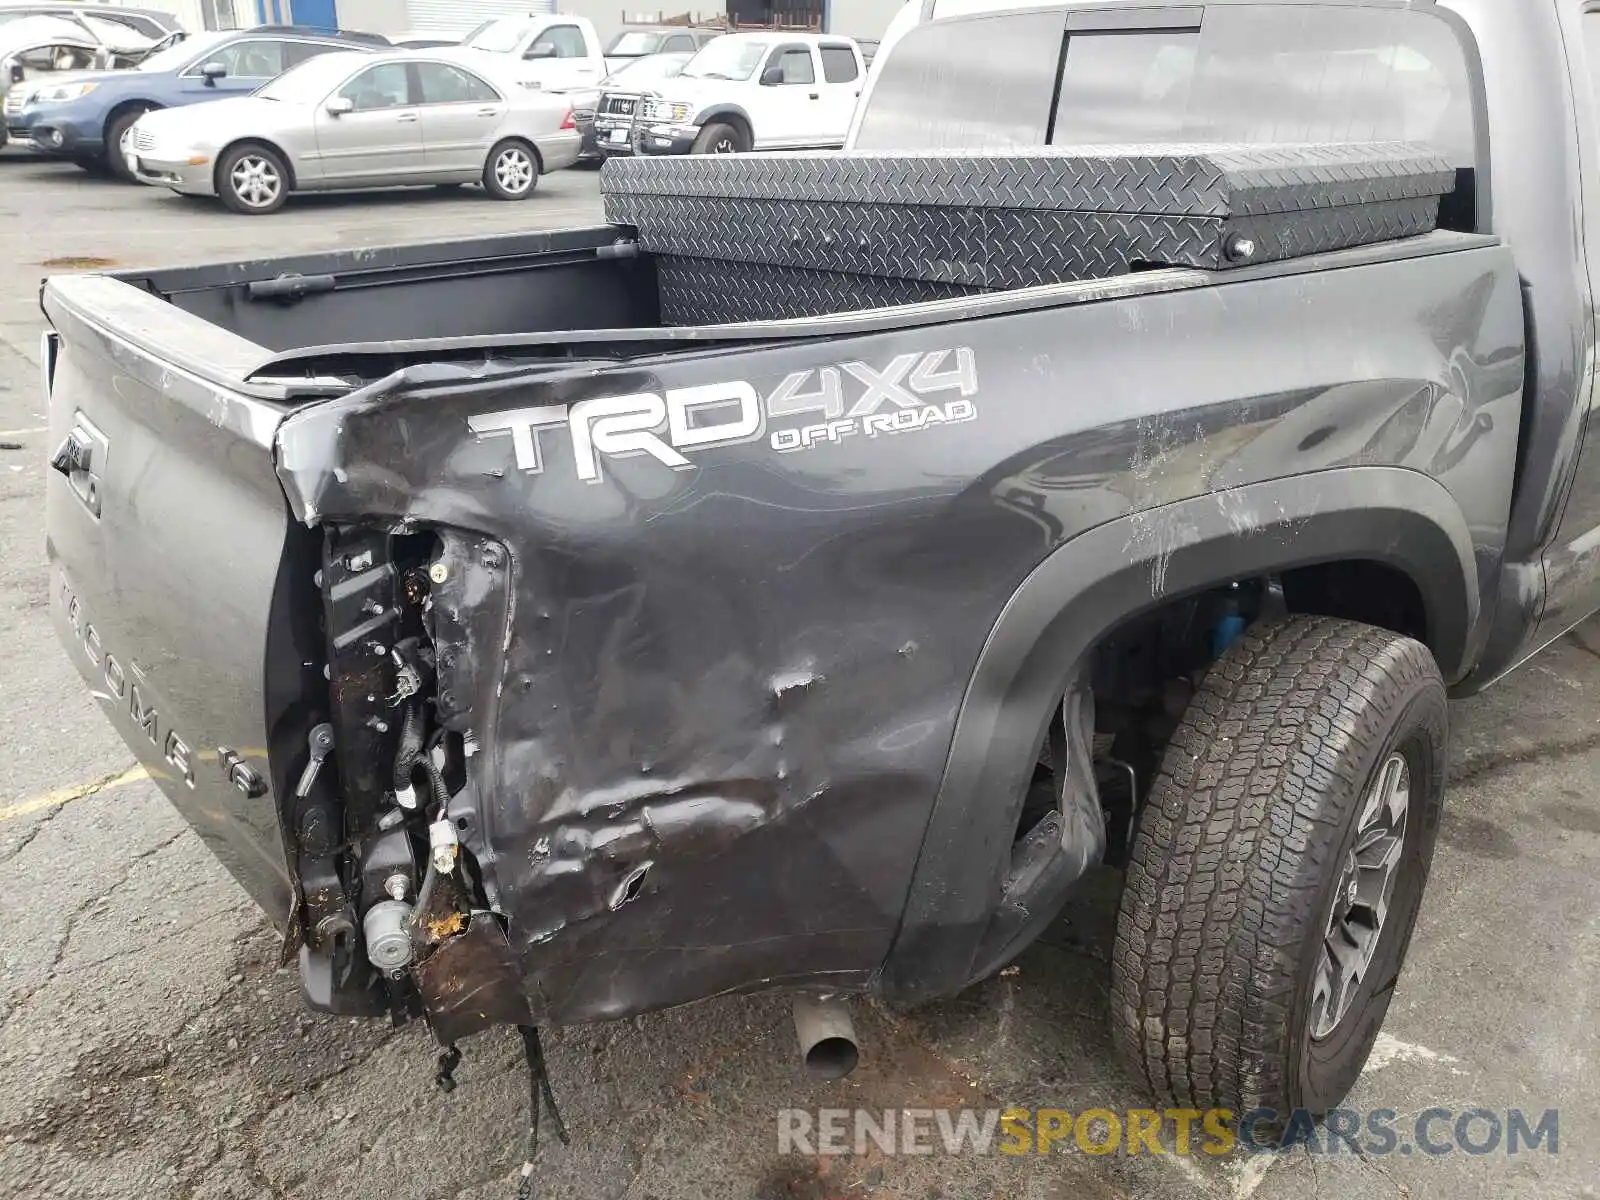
[{"x": 1229, "y": 857}]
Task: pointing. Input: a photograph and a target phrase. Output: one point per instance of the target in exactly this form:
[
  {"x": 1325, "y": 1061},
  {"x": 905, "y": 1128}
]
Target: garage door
[{"x": 460, "y": 16}]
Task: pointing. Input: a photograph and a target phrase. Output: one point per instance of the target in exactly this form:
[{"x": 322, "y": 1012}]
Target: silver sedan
[{"x": 344, "y": 121}]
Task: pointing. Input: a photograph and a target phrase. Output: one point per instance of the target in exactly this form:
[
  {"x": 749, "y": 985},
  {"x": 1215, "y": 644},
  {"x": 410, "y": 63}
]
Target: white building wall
[
  {"x": 372, "y": 16},
  {"x": 608, "y": 15},
  {"x": 860, "y": 18}
]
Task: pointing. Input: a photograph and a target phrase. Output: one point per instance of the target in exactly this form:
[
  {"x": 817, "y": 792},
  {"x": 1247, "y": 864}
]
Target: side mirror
[
  {"x": 538, "y": 52},
  {"x": 339, "y": 105},
  {"x": 212, "y": 72},
  {"x": 772, "y": 77}
]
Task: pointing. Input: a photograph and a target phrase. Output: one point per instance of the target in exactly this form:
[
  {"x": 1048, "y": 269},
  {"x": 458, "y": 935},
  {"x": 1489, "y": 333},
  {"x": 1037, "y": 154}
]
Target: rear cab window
[
  {"x": 839, "y": 64},
  {"x": 1256, "y": 74},
  {"x": 1239, "y": 73}
]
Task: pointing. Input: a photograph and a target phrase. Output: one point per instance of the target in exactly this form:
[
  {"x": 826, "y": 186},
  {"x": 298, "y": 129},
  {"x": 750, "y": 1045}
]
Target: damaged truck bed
[{"x": 803, "y": 578}]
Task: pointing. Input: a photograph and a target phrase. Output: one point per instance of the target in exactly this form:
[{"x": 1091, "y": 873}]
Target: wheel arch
[
  {"x": 254, "y": 140},
  {"x": 131, "y": 104},
  {"x": 730, "y": 114},
  {"x": 1400, "y": 520},
  {"x": 531, "y": 144}
]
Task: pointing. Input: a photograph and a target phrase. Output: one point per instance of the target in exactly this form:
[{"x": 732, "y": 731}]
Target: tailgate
[{"x": 166, "y": 534}]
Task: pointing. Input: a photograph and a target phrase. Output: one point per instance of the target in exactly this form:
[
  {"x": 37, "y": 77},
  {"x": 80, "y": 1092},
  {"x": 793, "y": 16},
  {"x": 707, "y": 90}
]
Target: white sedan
[{"x": 345, "y": 121}]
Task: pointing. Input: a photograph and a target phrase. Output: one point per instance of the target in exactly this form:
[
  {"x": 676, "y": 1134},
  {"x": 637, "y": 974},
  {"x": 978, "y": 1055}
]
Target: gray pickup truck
[{"x": 800, "y": 580}]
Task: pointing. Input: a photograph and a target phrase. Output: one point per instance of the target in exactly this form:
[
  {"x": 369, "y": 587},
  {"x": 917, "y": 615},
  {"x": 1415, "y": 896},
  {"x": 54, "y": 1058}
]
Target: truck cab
[
  {"x": 752, "y": 91},
  {"x": 638, "y": 42},
  {"x": 552, "y": 53}
]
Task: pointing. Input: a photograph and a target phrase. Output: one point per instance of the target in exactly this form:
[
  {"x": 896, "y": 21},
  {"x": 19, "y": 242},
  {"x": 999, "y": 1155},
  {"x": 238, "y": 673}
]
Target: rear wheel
[
  {"x": 119, "y": 143},
  {"x": 721, "y": 138},
  {"x": 252, "y": 179},
  {"x": 1278, "y": 868},
  {"x": 512, "y": 171}
]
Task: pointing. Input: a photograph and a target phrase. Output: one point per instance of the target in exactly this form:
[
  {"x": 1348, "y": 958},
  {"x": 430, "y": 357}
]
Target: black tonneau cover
[{"x": 769, "y": 236}]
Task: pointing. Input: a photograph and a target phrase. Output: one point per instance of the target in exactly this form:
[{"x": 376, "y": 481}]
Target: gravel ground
[{"x": 151, "y": 1048}]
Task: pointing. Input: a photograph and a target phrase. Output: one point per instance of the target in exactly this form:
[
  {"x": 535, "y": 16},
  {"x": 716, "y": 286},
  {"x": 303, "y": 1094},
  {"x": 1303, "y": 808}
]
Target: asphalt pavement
[{"x": 149, "y": 1047}]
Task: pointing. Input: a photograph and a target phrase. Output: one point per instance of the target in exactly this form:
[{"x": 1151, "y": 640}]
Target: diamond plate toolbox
[{"x": 889, "y": 228}]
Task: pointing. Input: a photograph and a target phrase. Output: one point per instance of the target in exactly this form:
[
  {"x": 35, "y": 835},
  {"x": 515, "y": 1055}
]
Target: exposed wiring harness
[{"x": 540, "y": 1096}]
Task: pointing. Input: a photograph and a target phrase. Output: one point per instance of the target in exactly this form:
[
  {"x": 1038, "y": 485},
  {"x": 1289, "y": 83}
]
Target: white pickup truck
[
  {"x": 747, "y": 91},
  {"x": 554, "y": 53}
]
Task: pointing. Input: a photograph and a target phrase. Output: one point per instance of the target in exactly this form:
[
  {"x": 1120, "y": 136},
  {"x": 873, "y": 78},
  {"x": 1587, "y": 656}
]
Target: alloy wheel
[
  {"x": 514, "y": 170},
  {"x": 256, "y": 181},
  {"x": 1361, "y": 897}
]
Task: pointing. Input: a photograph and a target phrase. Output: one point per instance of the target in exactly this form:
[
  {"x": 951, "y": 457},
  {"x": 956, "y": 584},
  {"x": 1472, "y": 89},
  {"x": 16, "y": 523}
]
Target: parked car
[
  {"x": 36, "y": 48},
  {"x": 756, "y": 91},
  {"x": 663, "y": 39},
  {"x": 554, "y": 53},
  {"x": 151, "y": 24},
  {"x": 423, "y": 41},
  {"x": 87, "y": 119},
  {"x": 345, "y": 121},
  {"x": 607, "y": 120},
  {"x": 726, "y": 599}
]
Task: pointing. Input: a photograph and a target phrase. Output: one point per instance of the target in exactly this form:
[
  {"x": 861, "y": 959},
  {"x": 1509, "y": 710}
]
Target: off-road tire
[
  {"x": 1241, "y": 856},
  {"x": 115, "y": 161},
  {"x": 721, "y": 138}
]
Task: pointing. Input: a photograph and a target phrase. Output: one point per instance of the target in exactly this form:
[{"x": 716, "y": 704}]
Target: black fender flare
[
  {"x": 1096, "y": 581},
  {"x": 714, "y": 111}
]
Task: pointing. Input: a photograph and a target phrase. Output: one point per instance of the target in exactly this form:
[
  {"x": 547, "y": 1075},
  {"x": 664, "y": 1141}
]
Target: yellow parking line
[{"x": 66, "y": 795}]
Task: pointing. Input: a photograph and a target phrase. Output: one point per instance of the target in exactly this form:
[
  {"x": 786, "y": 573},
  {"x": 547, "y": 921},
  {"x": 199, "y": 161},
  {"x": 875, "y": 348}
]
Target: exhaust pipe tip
[{"x": 827, "y": 1037}]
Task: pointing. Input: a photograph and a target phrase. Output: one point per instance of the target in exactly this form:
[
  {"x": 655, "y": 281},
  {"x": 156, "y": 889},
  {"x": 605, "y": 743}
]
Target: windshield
[
  {"x": 192, "y": 49},
  {"x": 117, "y": 35},
  {"x": 633, "y": 44},
  {"x": 311, "y": 80},
  {"x": 652, "y": 68},
  {"x": 726, "y": 58},
  {"x": 502, "y": 36}
]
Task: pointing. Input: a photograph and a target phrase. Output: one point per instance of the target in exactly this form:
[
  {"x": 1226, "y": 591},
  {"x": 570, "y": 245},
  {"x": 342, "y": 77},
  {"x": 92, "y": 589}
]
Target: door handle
[
  {"x": 814, "y": 96},
  {"x": 488, "y": 112},
  {"x": 407, "y": 117}
]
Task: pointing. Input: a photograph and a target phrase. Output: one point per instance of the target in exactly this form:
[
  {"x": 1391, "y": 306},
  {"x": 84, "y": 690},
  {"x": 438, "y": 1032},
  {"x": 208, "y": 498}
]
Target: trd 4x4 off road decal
[{"x": 850, "y": 399}]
